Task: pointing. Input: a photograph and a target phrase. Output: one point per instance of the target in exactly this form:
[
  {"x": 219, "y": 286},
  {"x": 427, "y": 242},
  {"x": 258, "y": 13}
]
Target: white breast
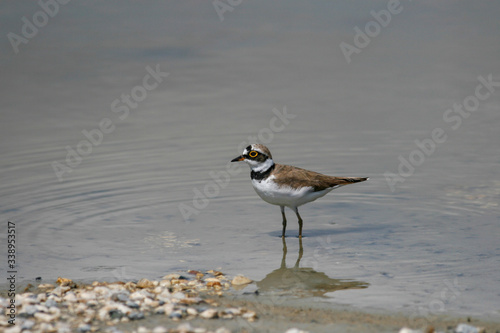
[{"x": 270, "y": 192}]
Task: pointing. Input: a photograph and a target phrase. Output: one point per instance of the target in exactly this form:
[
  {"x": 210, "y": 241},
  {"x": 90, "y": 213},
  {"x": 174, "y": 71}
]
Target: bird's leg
[
  {"x": 284, "y": 220},
  {"x": 300, "y": 221}
]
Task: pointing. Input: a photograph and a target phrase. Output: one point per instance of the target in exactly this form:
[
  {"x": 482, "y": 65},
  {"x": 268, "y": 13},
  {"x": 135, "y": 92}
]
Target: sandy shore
[{"x": 199, "y": 302}]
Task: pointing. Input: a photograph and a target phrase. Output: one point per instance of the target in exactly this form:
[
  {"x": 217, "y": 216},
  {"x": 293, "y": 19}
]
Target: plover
[{"x": 286, "y": 185}]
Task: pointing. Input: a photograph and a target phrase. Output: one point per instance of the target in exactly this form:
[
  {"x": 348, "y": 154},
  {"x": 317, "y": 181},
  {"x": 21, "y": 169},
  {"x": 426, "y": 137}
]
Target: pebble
[
  {"x": 184, "y": 328},
  {"x": 27, "y": 324},
  {"x": 160, "y": 329},
  {"x": 464, "y": 328},
  {"x": 50, "y": 303},
  {"x": 135, "y": 315},
  {"x": 63, "y": 328},
  {"x": 192, "y": 311},
  {"x": 209, "y": 314},
  {"x": 84, "y": 328},
  {"x": 44, "y": 317},
  {"x": 29, "y": 310},
  {"x": 409, "y": 330},
  {"x": 145, "y": 283},
  {"x": 45, "y": 286},
  {"x": 70, "y": 297},
  {"x": 240, "y": 280},
  {"x": 120, "y": 297},
  {"x": 295, "y": 330},
  {"x": 64, "y": 282},
  {"x": 171, "y": 276},
  {"x": 68, "y": 307},
  {"x": 13, "y": 329},
  {"x": 176, "y": 315},
  {"x": 132, "y": 305},
  {"x": 250, "y": 316},
  {"x": 222, "y": 330}
]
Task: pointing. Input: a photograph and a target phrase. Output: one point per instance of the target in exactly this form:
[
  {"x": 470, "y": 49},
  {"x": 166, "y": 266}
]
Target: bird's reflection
[{"x": 303, "y": 281}]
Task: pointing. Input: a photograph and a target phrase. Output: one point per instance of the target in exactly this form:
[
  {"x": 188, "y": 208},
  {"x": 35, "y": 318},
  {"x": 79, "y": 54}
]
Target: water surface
[{"x": 429, "y": 243}]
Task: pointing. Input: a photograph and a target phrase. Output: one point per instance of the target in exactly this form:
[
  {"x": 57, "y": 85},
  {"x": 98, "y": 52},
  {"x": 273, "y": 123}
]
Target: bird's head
[{"x": 257, "y": 156}]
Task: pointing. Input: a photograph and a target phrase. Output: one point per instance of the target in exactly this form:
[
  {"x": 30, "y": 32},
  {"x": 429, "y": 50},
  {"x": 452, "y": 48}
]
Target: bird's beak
[{"x": 238, "y": 159}]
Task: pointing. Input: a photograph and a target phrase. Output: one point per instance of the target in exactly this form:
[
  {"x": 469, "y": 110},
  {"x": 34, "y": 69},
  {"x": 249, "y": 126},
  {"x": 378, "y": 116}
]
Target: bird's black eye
[{"x": 253, "y": 154}]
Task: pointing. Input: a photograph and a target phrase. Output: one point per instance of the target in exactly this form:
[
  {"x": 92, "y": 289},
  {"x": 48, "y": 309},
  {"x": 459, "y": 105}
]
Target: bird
[{"x": 286, "y": 185}]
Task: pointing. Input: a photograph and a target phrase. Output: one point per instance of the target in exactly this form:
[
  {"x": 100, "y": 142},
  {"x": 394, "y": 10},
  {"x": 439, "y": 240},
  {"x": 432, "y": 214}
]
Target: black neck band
[{"x": 262, "y": 175}]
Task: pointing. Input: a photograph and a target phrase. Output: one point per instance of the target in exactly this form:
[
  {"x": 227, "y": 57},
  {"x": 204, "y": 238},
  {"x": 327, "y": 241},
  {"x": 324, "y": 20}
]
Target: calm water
[{"x": 127, "y": 199}]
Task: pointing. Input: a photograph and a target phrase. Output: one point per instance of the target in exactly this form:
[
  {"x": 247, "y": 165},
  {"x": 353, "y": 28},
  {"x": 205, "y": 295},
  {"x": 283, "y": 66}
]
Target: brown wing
[{"x": 297, "y": 177}]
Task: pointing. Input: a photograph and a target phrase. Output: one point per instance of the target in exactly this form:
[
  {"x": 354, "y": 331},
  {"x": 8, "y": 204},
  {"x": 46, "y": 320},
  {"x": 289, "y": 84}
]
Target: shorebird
[{"x": 286, "y": 185}]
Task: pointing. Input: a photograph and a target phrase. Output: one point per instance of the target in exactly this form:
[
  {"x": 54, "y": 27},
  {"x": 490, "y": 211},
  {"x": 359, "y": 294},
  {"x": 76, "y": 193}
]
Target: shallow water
[{"x": 429, "y": 244}]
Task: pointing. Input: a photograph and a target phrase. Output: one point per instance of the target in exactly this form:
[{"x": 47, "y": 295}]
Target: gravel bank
[{"x": 198, "y": 302}]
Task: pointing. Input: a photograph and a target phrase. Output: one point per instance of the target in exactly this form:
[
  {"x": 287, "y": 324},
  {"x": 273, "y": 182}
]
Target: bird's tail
[{"x": 352, "y": 180}]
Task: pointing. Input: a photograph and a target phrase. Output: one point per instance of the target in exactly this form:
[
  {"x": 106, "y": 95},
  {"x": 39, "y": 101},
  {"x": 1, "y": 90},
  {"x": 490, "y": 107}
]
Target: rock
[
  {"x": 140, "y": 295},
  {"x": 46, "y": 286},
  {"x": 215, "y": 273},
  {"x": 63, "y": 328},
  {"x": 60, "y": 291},
  {"x": 171, "y": 276},
  {"x": 120, "y": 296},
  {"x": 214, "y": 284},
  {"x": 132, "y": 305},
  {"x": 41, "y": 308},
  {"x": 158, "y": 289},
  {"x": 87, "y": 296},
  {"x": 46, "y": 327},
  {"x": 64, "y": 282},
  {"x": 145, "y": 283},
  {"x": 168, "y": 308},
  {"x": 179, "y": 295},
  {"x": 194, "y": 272},
  {"x": 225, "y": 315},
  {"x": 176, "y": 315},
  {"x": 70, "y": 297},
  {"x": 112, "y": 329},
  {"x": 184, "y": 328},
  {"x": 41, "y": 297},
  {"x": 212, "y": 280},
  {"x": 28, "y": 324},
  {"x": 28, "y": 310},
  {"x": 101, "y": 291},
  {"x": 115, "y": 314},
  {"x": 45, "y": 317},
  {"x": 26, "y": 299},
  {"x": 80, "y": 309},
  {"x": 135, "y": 315},
  {"x": 55, "y": 311},
  {"x": 295, "y": 330},
  {"x": 13, "y": 329},
  {"x": 464, "y": 328},
  {"x": 209, "y": 314},
  {"x": 83, "y": 328},
  {"x": 234, "y": 311},
  {"x": 50, "y": 303},
  {"x": 201, "y": 330},
  {"x": 130, "y": 286},
  {"x": 222, "y": 330},
  {"x": 165, "y": 283},
  {"x": 192, "y": 311},
  {"x": 160, "y": 329},
  {"x": 250, "y": 316},
  {"x": 409, "y": 330},
  {"x": 240, "y": 280}
]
